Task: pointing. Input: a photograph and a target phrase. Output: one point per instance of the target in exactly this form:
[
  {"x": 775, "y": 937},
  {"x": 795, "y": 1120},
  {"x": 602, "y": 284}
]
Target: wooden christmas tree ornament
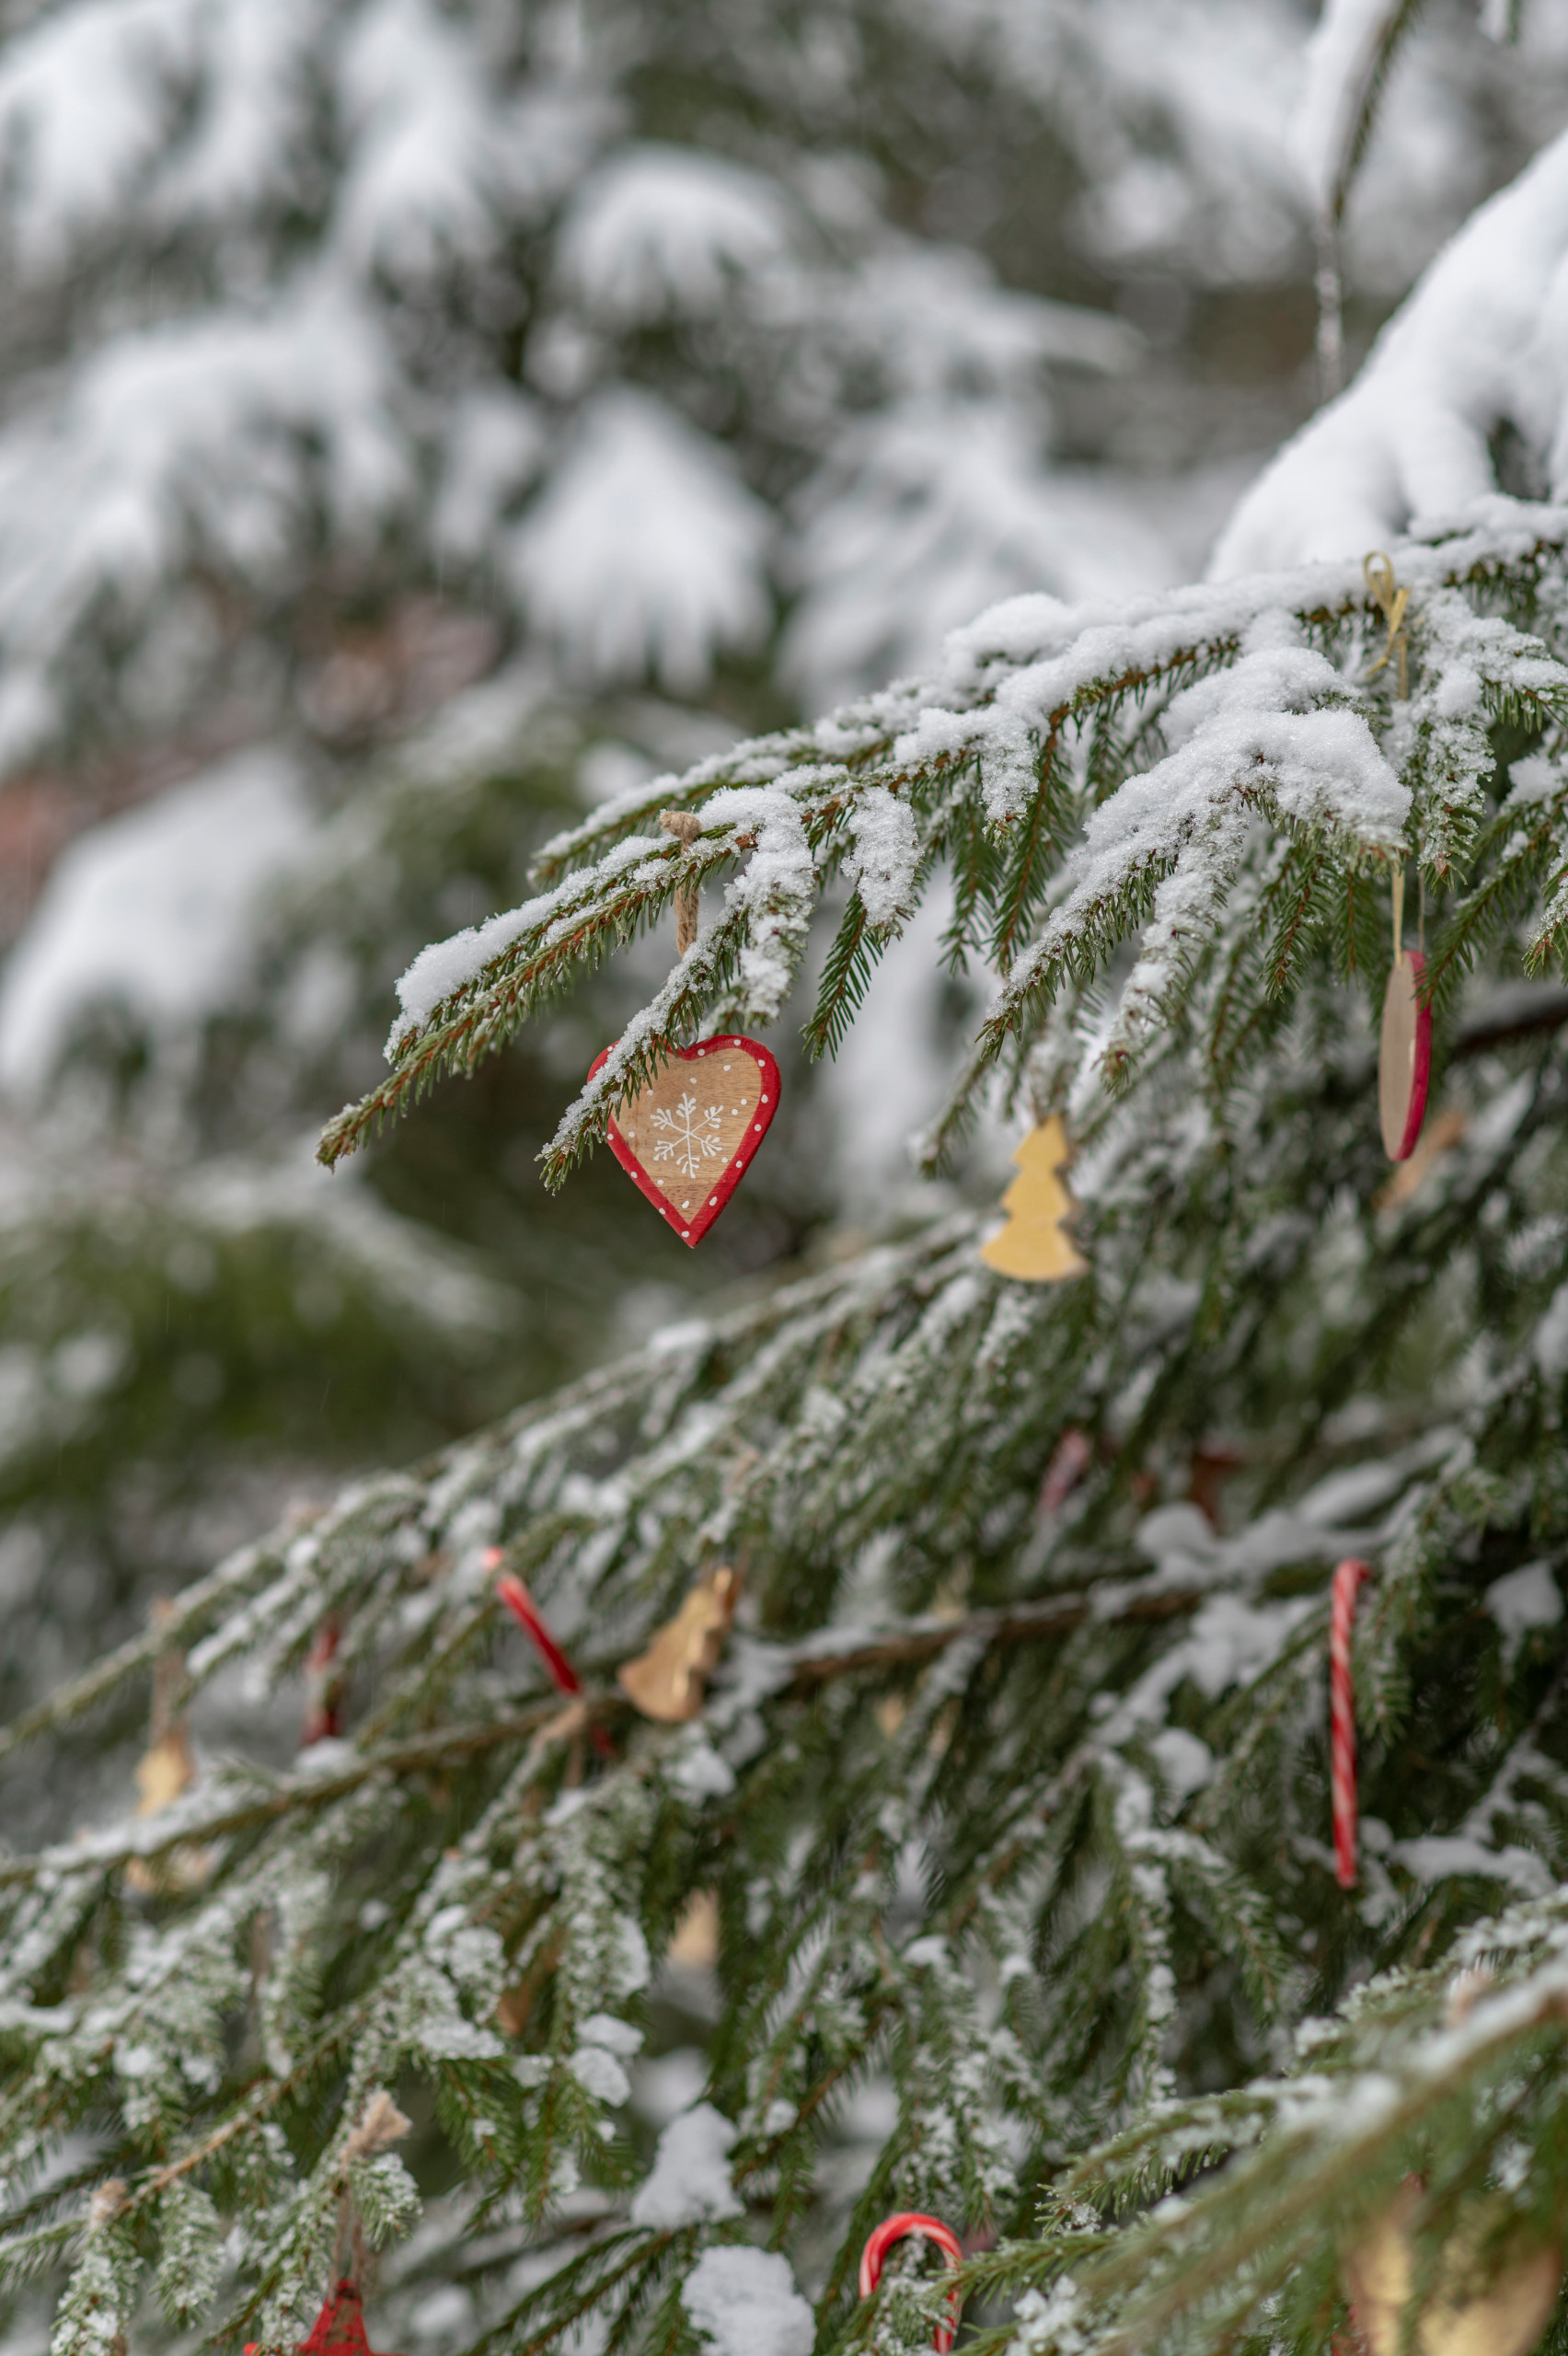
[
  {"x": 1404, "y": 1057},
  {"x": 339, "y": 2329},
  {"x": 686, "y": 1139},
  {"x": 666, "y": 1681},
  {"x": 1392, "y": 603},
  {"x": 1500, "y": 2313},
  {"x": 1034, "y": 1246}
]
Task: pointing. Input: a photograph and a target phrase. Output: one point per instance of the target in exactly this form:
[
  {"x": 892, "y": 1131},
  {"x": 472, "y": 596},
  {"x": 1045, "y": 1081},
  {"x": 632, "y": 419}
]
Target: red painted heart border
[{"x": 736, "y": 1169}]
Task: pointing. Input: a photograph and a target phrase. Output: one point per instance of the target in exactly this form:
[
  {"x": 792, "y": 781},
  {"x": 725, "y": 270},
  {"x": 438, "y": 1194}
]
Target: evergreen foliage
[
  {"x": 419, "y": 416},
  {"x": 1008, "y": 1803},
  {"x": 1019, "y": 1808},
  {"x": 397, "y": 447}
]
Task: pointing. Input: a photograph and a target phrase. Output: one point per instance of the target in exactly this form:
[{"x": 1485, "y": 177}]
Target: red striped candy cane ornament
[
  {"x": 1348, "y": 1577},
  {"x": 925, "y": 2229}
]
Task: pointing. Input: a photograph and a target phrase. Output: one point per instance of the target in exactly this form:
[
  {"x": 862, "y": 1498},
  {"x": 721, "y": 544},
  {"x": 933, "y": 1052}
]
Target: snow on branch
[
  {"x": 1416, "y": 2062},
  {"x": 1088, "y": 773},
  {"x": 1475, "y": 347}
]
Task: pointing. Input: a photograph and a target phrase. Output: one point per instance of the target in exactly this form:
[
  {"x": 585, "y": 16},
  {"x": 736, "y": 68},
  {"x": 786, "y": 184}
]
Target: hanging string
[
  {"x": 380, "y": 2124},
  {"x": 927, "y": 2229},
  {"x": 685, "y": 827},
  {"x": 1391, "y": 602},
  {"x": 1347, "y": 1584},
  {"x": 339, "y": 2329},
  {"x": 1397, "y": 888}
]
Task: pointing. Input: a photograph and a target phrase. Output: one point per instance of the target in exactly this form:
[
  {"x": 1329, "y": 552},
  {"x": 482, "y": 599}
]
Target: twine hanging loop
[
  {"x": 685, "y": 826},
  {"x": 379, "y": 2126},
  {"x": 1391, "y": 602}
]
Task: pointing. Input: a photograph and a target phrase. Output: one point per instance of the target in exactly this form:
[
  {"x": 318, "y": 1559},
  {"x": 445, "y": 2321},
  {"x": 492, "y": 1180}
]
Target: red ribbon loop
[
  {"x": 525, "y": 1611},
  {"x": 927, "y": 2229}
]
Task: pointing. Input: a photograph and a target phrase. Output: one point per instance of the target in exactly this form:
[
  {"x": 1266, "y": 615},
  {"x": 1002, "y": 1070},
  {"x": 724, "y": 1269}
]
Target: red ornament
[
  {"x": 323, "y": 1687},
  {"x": 1404, "y": 1057},
  {"x": 1341, "y": 1715},
  {"x": 526, "y": 1613},
  {"x": 339, "y": 2329},
  {"x": 686, "y": 1139},
  {"x": 925, "y": 2229}
]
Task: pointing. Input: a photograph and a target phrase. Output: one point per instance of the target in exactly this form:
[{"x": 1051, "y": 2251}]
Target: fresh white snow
[
  {"x": 1482, "y": 340},
  {"x": 646, "y": 551},
  {"x": 154, "y": 912},
  {"x": 690, "y": 2181},
  {"x": 743, "y": 2303}
]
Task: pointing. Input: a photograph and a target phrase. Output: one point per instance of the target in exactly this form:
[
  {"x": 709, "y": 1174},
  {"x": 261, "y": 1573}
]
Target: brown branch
[
  {"x": 1015, "y": 1624},
  {"x": 1547, "y": 1011},
  {"x": 184, "y": 1620},
  {"x": 176, "y": 1826},
  {"x": 903, "y": 1646}
]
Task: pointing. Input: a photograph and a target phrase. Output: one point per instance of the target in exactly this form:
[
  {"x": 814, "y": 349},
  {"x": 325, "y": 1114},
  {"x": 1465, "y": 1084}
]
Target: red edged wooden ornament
[
  {"x": 686, "y": 1139},
  {"x": 339, "y": 2329},
  {"x": 1404, "y": 1057}
]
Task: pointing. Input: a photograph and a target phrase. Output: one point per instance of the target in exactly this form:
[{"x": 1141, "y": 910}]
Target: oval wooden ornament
[
  {"x": 686, "y": 1139},
  {"x": 1504, "y": 2316},
  {"x": 1404, "y": 1057}
]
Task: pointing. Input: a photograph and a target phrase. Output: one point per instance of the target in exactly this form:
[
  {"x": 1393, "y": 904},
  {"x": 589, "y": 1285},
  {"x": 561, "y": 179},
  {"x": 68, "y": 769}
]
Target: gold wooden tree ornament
[
  {"x": 1034, "y": 1246},
  {"x": 666, "y": 1681},
  {"x": 1481, "y": 2303}
]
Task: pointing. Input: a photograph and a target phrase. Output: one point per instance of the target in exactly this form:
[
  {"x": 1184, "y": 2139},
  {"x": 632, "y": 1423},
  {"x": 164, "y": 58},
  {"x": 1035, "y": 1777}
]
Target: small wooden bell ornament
[
  {"x": 166, "y": 1768},
  {"x": 666, "y": 1681},
  {"x": 1468, "y": 2314},
  {"x": 1035, "y": 1245}
]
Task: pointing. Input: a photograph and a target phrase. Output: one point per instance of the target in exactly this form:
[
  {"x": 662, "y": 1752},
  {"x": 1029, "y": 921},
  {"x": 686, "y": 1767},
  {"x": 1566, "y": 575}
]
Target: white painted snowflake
[{"x": 691, "y": 1136}]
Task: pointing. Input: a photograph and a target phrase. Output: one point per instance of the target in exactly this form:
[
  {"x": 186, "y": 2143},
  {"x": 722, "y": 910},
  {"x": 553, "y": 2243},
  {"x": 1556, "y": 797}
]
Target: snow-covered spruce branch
[
  {"x": 1096, "y": 1788},
  {"x": 1441, "y": 2070},
  {"x": 234, "y": 1801},
  {"x": 1255, "y": 699},
  {"x": 730, "y": 1466}
]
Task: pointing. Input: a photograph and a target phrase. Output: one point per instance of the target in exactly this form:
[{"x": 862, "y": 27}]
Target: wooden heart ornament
[
  {"x": 1404, "y": 1060},
  {"x": 686, "y": 1138}
]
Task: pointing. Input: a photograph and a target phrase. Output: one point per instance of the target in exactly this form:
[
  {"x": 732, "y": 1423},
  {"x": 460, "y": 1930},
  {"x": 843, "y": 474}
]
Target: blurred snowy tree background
[{"x": 423, "y": 419}]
